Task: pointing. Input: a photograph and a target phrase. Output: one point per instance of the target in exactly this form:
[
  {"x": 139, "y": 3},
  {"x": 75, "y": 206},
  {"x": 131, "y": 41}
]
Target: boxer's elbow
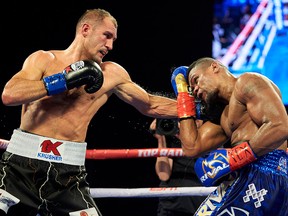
[
  {"x": 191, "y": 152},
  {"x": 190, "y": 148},
  {"x": 8, "y": 99},
  {"x": 282, "y": 130}
]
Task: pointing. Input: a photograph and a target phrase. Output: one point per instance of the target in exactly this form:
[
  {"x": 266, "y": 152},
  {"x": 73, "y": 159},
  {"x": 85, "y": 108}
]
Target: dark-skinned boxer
[{"x": 251, "y": 174}]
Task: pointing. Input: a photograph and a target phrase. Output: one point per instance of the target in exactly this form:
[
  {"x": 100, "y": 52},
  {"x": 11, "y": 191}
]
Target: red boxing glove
[
  {"x": 240, "y": 155},
  {"x": 185, "y": 101},
  {"x": 186, "y": 105}
]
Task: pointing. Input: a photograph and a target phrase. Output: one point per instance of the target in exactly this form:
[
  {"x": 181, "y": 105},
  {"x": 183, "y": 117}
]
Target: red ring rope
[{"x": 101, "y": 154}]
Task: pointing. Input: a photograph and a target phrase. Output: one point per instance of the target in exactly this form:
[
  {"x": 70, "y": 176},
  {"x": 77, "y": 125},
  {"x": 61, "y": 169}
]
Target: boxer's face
[
  {"x": 202, "y": 83},
  {"x": 99, "y": 39}
]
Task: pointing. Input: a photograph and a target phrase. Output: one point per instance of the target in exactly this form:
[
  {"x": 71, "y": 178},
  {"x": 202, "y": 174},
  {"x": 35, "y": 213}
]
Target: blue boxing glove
[
  {"x": 221, "y": 162},
  {"x": 86, "y": 72}
]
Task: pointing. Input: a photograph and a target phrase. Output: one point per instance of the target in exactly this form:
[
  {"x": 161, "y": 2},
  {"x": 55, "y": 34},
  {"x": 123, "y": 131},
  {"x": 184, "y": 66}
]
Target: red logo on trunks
[
  {"x": 83, "y": 213},
  {"x": 48, "y": 147}
]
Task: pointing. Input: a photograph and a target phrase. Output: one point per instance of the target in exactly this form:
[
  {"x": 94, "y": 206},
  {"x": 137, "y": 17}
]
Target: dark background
[{"x": 153, "y": 36}]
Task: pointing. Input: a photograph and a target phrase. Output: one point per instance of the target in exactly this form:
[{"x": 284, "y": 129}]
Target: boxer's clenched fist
[{"x": 86, "y": 72}]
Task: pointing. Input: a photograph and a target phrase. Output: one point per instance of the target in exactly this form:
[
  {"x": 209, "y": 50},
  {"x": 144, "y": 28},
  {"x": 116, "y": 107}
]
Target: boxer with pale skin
[{"x": 42, "y": 170}]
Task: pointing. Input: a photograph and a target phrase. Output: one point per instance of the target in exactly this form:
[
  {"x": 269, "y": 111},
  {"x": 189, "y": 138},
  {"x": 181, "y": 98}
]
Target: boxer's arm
[
  {"x": 155, "y": 106},
  {"x": 148, "y": 104},
  {"x": 27, "y": 85},
  {"x": 264, "y": 105},
  {"x": 198, "y": 141}
]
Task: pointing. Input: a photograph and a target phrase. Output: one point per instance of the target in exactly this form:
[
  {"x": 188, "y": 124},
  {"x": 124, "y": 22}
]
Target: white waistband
[{"x": 47, "y": 149}]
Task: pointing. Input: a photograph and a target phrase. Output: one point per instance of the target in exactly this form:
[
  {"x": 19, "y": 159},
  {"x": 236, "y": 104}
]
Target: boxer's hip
[{"x": 46, "y": 148}]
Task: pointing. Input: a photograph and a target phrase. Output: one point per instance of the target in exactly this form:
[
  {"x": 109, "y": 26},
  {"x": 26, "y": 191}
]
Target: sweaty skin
[
  {"x": 66, "y": 116},
  {"x": 254, "y": 111}
]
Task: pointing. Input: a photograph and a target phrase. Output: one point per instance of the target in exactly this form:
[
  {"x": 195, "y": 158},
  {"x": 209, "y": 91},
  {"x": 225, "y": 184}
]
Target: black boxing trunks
[{"x": 41, "y": 176}]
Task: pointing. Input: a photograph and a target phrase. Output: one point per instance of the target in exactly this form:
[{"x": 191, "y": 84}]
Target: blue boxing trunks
[{"x": 260, "y": 189}]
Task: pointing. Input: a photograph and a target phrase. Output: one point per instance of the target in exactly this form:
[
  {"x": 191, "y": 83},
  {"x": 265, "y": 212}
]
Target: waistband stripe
[{"x": 47, "y": 149}]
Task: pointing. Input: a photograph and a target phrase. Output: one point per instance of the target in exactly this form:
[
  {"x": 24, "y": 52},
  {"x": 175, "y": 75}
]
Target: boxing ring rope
[
  {"x": 100, "y": 154},
  {"x": 142, "y": 192},
  {"x": 150, "y": 192},
  {"x": 133, "y": 153}
]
